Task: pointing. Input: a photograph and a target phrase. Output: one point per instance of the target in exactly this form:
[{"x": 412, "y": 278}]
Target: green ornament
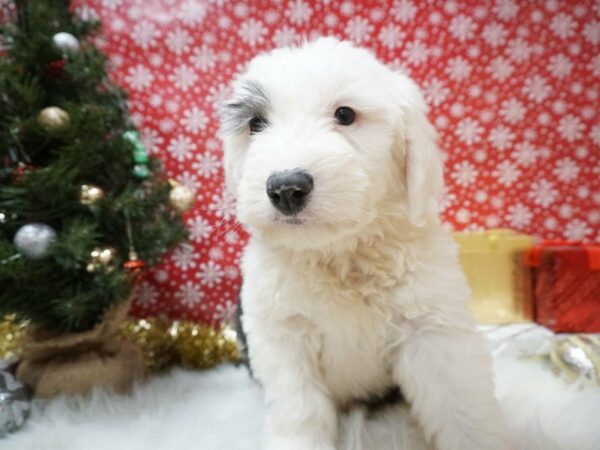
[
  {"x": 141, "y": 171},
  {"x": 140, "y": 156},
  {"x": 132, "y": 137}
]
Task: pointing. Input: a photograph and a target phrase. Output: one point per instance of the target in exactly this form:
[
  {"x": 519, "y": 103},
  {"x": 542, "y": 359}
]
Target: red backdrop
[{"x": 513, "y": 89}]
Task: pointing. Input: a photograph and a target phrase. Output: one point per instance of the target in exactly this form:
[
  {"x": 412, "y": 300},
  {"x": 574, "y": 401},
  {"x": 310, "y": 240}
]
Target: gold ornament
[
  {"x": 90, "y": 194},
  {"x": 181, "y": 197},
  {"x": 53, "y": 119},
  {"x": 101, "y": 258}
]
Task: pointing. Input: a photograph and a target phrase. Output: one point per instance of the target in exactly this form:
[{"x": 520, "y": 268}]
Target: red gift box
[{"x": 566, "y": 285}]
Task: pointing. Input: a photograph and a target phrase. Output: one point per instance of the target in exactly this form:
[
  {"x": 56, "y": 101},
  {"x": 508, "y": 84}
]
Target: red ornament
[
  {"x": 55, "y": 69},
  {"x": 134, "y": 265},
  {"x": 20, "y": 171}
]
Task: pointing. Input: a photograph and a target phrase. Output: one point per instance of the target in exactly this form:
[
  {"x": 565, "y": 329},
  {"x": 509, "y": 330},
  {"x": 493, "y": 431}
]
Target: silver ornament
[
  {"x": 65, "y": 43},
  {"x": 34, "y": 240},
  {"x": 14, "y": 403},
  {"x": 577, "y": 358}
]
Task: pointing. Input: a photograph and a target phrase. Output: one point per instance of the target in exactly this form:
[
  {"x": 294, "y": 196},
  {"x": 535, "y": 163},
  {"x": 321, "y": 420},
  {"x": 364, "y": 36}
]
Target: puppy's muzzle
[{"x": 289, "y": 190}]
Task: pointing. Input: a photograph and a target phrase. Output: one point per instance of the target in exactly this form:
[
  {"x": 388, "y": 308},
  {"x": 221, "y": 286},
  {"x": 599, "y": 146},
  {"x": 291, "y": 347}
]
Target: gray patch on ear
[{"x": 250, "y": 101}]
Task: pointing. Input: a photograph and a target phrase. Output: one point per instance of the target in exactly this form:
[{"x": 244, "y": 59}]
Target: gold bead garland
[
  {"x": 163, "y": 343},
  {"x": 12, "y": 334}
]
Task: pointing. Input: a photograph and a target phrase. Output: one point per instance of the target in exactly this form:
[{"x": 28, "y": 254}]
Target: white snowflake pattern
[
  {"x": 507, "y": 173},
  {"x": 139, "y": 77},
  {"x": 194, "y": 120},
  {"x": 285, "y": 37},
  {"x": 519, "y": 215},
  {"x": 199, "y": 228},
  {"x": 463, "y": 215},
  {"x": 183, "y": 77},
  {"x": 241, "y": 9},
  {"x": 525, "y": 154},
  {"x": 571, "y": 128},
  {"x": 299, "y": 12},
  {"x": 560, "y": 66},
  {"x": 464, "y": 173},
  {"x": 178, "y": 41},
  {"x": 591, "y": 32},
  {"x": 512, "y": 110},
  {"x": 501, "y": 137},
  {"x": 253, "y": 32},
  {"x": 358, "y": 29},
  {"x": 181, "y": 148},
  {"x": 543, "y": 193},
  {"x": 447, "y": 200},
  {"x": 192, "y": 12},
  {"x": 595, "y": 134},
  {"x": 189, "y": 295},
  {"x": 494, "y": 34},
  {"x": 536, "y": 88},
  {"x": 204, "y": 58},
  {"x": 377, "y": 14},
  {"x": 563, "y": 25},
  {"x": 435, "y": 91},
  {"x": 462, "y": 27},
  {"x": 391, "y": 36},
  {"x": 577, "y": 230},
  {"x": 506, "y": 9},
  {"x": 206, "y": 165},
  {"x": 225, "y": 312},
  {"x": 469, "y": 131},
  {"x": 145, "y": 294},
  {"x": 519, "y": 50},
  {"x": 184, "y": 257},
  {"x": 404, "y": 11},
  {"x": 331, "y": 20},
  {"x": 223, "y": 205},
  {"x": 566, "y": 170},
  {"x": 458, "y": 68},
  {"x": 210, "y": 274},
  {"x": 218, "y": 94},
  {"x": 500, "y": 69},
  {"x": 153, "y": 141},
  {"x": 189, "y": 180},
  {"x": 594, "y": 66},
  {"x": 111, "y": 4},
  {"x": 145, "y": 34},
  {"x": 415, "y": 53}
]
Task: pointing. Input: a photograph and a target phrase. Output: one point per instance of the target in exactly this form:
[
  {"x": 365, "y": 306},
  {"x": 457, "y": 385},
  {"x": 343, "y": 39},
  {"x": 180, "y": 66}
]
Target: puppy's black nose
[{"x": 289, "y": 190}]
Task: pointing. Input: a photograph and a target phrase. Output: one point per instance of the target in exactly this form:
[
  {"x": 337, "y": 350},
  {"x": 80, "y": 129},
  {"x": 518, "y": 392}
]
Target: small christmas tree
[{"x": 82, "y": 205}]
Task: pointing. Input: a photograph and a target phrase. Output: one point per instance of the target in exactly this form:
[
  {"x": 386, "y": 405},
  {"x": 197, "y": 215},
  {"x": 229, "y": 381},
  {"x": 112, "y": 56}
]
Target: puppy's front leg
[
  {"x": 300, "y": 413},
  {"x": 447, "y": 377}
]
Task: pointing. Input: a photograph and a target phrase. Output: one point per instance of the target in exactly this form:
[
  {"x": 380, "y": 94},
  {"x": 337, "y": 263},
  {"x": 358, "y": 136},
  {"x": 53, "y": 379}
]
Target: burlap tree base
[{"x": 76, "y": 363}]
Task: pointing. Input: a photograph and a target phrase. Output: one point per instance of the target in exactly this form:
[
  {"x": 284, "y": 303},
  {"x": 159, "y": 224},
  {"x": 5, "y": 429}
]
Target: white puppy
[{"x": 350, "y": 285}]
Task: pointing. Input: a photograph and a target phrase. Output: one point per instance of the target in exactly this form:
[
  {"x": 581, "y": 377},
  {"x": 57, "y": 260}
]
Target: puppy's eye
[
  {"x": 345, "y": 115},
  {"x": 257, "y": 124}
]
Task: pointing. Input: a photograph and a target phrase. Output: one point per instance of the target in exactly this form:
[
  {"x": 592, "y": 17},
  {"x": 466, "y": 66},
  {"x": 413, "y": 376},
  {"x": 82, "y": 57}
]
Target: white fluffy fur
[
  {"x": 363, "y": 289},
  {"x": 221, "y": 409}
]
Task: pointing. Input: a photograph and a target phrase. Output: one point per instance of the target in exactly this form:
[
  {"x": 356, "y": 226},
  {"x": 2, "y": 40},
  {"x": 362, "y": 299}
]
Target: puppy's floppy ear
[{"x": 423, "y": 162}]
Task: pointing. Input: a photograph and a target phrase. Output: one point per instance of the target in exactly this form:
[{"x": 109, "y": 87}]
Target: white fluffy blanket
[{"x": 221, "y": 409}]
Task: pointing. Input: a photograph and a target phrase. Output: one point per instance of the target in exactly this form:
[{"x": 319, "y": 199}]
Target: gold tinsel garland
[{"x": 163, "y": 343}]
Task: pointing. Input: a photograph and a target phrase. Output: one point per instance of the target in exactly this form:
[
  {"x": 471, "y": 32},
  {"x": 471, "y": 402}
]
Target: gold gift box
[{"x": 500, "y": 282}]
